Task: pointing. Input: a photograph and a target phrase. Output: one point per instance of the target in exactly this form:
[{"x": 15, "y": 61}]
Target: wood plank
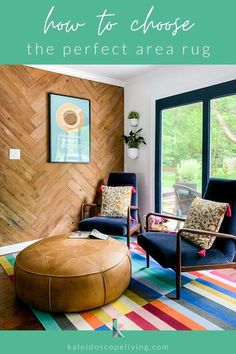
[
  {"x": 14, "y": 315},
  {"x": 38, "y": 198}
]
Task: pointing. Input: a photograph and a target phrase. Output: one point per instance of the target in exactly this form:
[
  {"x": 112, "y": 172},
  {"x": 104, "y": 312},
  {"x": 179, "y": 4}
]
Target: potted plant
[
  {"x": 133, "y": 140},
  {"x": 133, "y": 118}
]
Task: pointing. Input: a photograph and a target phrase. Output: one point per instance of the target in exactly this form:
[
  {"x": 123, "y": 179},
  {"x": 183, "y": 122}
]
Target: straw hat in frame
[{"x": 70, "y": 117}]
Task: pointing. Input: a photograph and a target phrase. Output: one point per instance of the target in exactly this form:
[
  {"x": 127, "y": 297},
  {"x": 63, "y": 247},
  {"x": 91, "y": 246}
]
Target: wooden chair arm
[
  {"x": 85, "y": 205},
  {"x": 194, "y": 231},
  {"x": 133, "y": 207},
  {"x": 172, "y": 217},
  {"x": 207, "y": 233}
]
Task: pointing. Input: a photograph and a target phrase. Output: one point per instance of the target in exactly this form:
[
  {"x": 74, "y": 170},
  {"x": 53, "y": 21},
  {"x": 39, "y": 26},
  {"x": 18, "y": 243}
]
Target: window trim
[{"x": 204, "y": 95}]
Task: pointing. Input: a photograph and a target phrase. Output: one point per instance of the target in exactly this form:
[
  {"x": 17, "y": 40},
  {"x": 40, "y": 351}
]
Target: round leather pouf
[{"x": 60, "y": 274}]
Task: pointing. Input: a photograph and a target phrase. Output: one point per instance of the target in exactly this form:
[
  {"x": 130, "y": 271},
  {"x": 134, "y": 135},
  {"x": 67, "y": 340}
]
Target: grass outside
[{"x": 168, "y": 179}]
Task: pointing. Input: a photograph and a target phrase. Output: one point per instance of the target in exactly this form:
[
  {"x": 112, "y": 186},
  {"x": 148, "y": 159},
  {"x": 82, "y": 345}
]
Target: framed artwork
[{"x": 69, "y": 119}]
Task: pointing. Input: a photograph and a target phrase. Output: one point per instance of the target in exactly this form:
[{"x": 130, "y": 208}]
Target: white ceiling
[
  {"x": 111, "y": 74},
  {"x": 116, "y": 72}
]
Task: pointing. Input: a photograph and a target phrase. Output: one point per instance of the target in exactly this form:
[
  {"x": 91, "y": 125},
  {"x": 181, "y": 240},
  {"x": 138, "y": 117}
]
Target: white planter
[
  {"x": 133, "y": 122},
  {"x": 132, "y": 153}
]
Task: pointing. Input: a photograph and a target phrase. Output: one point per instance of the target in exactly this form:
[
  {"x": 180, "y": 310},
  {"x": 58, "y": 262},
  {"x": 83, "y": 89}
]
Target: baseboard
[{"x": 17, "y": 247}]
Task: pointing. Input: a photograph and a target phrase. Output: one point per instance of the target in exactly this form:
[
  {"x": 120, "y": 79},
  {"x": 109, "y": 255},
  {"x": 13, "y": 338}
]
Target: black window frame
[{"x": 204, "y": 95}]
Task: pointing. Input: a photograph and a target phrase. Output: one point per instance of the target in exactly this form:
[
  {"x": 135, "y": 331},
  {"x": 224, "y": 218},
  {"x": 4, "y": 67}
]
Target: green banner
[
  {"x": 103, "y": 342},
  {"x": 118, "y": 32}
]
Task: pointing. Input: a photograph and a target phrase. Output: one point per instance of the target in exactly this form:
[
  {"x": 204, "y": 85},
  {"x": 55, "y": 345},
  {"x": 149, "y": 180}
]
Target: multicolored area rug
[{"x": 208, "y": 302}]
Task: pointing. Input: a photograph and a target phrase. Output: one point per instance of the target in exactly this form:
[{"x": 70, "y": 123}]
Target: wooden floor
[{"x": 14, "y": 315}]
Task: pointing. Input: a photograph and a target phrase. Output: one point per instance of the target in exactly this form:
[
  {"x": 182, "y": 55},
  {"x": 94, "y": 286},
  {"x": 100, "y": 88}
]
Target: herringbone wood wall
[{"x": 37, "y": 198}]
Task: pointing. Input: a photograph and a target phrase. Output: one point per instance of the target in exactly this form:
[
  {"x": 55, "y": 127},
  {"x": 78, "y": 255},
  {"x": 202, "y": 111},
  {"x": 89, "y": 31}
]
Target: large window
[
  {"x": 181, "y": 156},
  {"x": 223, "y": 137},
  {"x": 195, "y": 139}
]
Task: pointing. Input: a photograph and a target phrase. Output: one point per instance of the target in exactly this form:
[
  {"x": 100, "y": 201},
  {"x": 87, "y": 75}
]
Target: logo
[{"x": 115, "y": 331}]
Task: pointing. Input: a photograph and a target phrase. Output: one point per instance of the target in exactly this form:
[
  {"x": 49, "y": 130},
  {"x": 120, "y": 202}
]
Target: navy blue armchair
[
  {"x": 175, "y": 252},
  {"x": 116, "y": 226}
]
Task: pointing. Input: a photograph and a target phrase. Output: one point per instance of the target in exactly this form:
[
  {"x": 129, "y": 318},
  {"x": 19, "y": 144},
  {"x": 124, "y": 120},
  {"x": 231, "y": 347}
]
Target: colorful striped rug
[{"x": 208, "y": 302}]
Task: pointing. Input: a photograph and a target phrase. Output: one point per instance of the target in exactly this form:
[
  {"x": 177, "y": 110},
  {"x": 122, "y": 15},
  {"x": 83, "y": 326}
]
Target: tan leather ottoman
[{"x": 59, "y": 274}]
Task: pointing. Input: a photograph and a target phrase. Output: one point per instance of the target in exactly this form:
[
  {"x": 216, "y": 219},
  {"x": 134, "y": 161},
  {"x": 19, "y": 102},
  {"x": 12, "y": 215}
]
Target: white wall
[{"x": 140, "y": 95}]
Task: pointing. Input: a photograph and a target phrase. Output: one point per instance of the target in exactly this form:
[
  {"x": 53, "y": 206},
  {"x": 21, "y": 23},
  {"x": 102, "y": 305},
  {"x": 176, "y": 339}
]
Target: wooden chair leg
[
  {"x": 178, "y": 283},
  {"x": 178, "y": 266},
  {"x": 147, "y": 259},
  {"x": 141, "y": 229},
  {"x": 128, "y": 240}
]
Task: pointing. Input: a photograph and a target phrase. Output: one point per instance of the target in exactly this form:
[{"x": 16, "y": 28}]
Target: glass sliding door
[
  {"x": 223, "y": 137},
  {"x": 181, "y": 174},
  {"x": 195, "y": 139}
]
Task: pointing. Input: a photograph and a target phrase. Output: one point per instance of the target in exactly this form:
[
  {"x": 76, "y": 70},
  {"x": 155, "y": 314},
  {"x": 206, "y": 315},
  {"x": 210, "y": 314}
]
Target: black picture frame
[{"x": 69, "y": 129}]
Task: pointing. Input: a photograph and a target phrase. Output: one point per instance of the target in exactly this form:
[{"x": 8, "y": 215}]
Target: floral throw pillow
[
  {"x": 115, "y": 201},
  {"x": 204, "y": 215}
]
